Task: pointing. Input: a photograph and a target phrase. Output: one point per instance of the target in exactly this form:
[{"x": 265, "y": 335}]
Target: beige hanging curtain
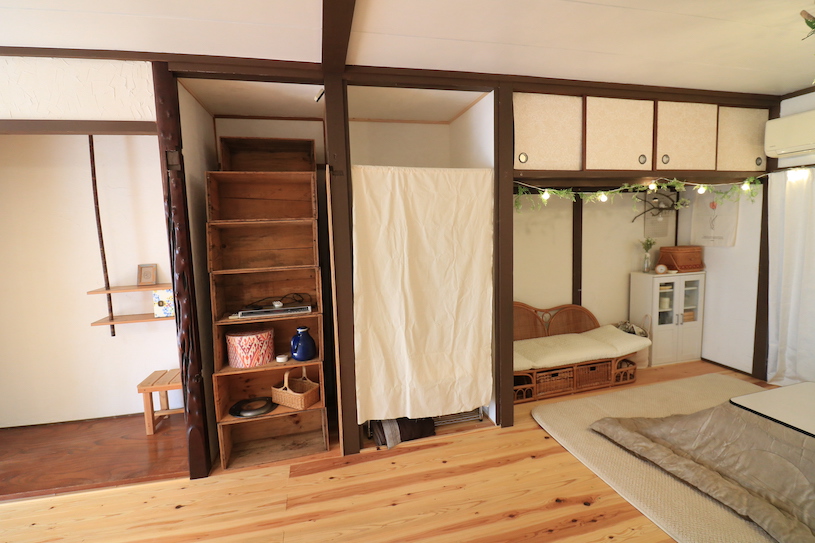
[{"x": 422, "y": 290}]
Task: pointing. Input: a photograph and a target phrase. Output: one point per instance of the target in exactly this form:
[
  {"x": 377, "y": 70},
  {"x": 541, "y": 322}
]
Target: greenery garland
[{"x": 538, "y": 196}]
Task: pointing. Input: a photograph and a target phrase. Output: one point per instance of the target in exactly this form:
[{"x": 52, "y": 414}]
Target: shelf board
[
  {"x": 130, "y": 319},
  {"x": 263, "y": 451},
  {"x": 278, "y": 411},
  {"x": 226, "y": 321},
  {"x": 238, "y": 271},
  {"x": 237, "y": 223},
  {"x": 131, "y": 288},
  {"x": 229, "y": 370}
]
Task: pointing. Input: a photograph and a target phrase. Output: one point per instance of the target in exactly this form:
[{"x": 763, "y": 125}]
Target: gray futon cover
[{"x": 761, "y": 469}]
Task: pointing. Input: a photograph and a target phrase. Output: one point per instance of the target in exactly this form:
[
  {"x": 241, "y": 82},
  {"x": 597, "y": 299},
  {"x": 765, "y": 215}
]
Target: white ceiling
[{"x": 752, "y": 46}]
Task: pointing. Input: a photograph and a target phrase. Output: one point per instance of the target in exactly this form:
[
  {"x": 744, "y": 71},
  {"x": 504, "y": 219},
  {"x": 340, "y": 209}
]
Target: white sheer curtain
[
  {"x": 422, "y": 290},
  {"x": 792, "y": 277}
]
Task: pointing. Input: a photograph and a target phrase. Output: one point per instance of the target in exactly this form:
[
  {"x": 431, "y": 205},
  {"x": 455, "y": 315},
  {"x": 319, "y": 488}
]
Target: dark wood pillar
[
  {"x": 577, "y": 251},
  {"x": 168, "y": 121},
  {"x": 502, "y": 251},
  {"x": 339, "y": 196}
]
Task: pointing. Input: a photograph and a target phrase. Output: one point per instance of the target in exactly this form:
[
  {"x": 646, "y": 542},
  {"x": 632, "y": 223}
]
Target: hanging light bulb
[
  {"x": 745, "y": 186},
  {"x": 701, "y": 189},
  {"x": 545, "y": 195},
  {"x": 652, "y": 186},
  {"x": 603, "y": 197}
]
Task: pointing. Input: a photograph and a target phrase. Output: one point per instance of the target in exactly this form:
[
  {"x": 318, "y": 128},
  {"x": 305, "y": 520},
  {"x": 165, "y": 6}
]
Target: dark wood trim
[
  {"x": 611, "y": 179},
  {"x": 337, "y": 34},
  {"x": 63, "y": 128},
  {"x": 178, "y": 230},
  {"x": 269, "y": 118},
  {"x": 577, "y": 252},
  {"x": 265, "y": 71},
  {"x": 339, "y": 191},
  {"x": 761, "y": 343},
  {"x": 807, "y": 90},
  {"x": 503, "y": 257}
]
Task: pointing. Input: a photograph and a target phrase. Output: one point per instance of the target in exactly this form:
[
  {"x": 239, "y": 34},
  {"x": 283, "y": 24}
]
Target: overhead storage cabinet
[
  {"x": 741, "y": 139},
  {"x": 619, "y": 134},
  {"x": 686, "y": 136},
  {"x": 548, "y": 131}
]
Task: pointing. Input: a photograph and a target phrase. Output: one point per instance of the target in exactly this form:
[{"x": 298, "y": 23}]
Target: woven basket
[
  {"x": 298, "y": 392},
  {"x": 684, "y": 258}
]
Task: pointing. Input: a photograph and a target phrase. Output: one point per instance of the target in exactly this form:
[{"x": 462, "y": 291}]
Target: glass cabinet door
[
  {"x": 665, "y": 301},
  {"x": 691, "y": 301}
]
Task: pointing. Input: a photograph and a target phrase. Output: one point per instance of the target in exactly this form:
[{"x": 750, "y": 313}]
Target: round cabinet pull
[
  {"x": 643, "y": 159},
  {"x": 523, "y": 158},
  {"x": 665, "y": 159},
  {"x": 759, "y": 160}
]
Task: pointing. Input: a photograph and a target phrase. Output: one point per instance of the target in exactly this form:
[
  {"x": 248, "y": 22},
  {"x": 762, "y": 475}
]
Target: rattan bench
[{"x": 159, "y": 381}]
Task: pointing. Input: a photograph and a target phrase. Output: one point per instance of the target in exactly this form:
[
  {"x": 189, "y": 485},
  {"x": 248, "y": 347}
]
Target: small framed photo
[{"x": 147, "y": 274}]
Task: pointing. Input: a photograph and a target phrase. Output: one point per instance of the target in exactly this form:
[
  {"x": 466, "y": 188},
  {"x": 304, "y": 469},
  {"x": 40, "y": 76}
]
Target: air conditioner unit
[{"x": 792, "y": 135}]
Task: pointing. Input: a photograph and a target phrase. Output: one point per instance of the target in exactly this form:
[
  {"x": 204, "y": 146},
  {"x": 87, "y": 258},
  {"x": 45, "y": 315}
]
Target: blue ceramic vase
[{"x": 302, "y": 345}]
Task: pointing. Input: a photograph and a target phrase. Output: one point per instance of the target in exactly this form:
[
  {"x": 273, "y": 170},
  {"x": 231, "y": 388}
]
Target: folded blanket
[{"x": 759, "y": 468}]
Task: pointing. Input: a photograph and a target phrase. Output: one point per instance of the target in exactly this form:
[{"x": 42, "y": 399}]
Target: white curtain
[
  {"x": 792, "y": 277},
  {"x": 422, "y": 290}
]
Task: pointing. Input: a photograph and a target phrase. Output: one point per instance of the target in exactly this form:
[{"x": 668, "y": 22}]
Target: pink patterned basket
[{"x": 250, "y": 349}]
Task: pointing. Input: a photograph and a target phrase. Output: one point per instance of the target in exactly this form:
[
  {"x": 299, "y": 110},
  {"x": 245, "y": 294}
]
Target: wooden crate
[
  {"x": 267, "y": 155},
  {"x": 257, "y": 196},
  {"x": 284, "y": 328},
  {"x": 255, "y": 442},
  {"x": 262, "y": 244},
  {"x": 232, "y": 292},
  {"x": 594, "y": 374}
]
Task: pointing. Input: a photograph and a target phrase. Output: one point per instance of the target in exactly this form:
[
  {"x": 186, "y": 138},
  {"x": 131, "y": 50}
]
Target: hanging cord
[{"x": 99, "y": 232}]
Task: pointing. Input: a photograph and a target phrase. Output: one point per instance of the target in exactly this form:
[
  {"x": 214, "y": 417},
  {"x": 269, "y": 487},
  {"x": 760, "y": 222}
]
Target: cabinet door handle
[
  {"x": 642, "y": 159},
  {"x": 665, "y": 159},
  {"x": 523, "y": 158}
]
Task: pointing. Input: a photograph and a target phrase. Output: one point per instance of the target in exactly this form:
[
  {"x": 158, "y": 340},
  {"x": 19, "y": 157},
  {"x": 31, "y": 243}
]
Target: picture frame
[{"x": 148, "y": 274}]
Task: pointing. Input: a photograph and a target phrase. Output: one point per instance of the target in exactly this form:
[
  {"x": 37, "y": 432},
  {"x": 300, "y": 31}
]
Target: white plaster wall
[
  {"x": 611, "y": 251},
  {"x": 268, "y": 128},
  {"x": 76, "y": 89},
  {"x": 200, "y": 156},
  {"x": 791, "y": 106},
  {"x": 731, "y": 288},
  {"x": 472, "y": 141},
  {"x": 56, "y": 367},
  {"x": 542, "y": 253},
  {"x": 400, "y": 144}
]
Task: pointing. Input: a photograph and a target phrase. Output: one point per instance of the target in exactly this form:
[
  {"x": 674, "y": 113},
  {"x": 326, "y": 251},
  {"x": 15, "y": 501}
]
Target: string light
[
  {"x": 652, "y": 186},
  {"x": 745, "y": 186},
  {"x": 603, "y": 197},
  {"x": 701, "y": 189},
  {"x": 546, "y": 195}
]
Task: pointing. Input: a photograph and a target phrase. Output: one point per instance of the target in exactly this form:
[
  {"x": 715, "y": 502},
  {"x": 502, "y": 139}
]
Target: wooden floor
[
  {"x": 481, "y": 485},
  {"x": 79, "y": 455}
]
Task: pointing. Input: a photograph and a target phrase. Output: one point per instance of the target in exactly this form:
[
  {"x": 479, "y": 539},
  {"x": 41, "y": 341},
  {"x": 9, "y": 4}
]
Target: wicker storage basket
[
  {"x": 592, "y": 375},
  {"x": 297, "y": 393},
  {"x": 684, "y": 258},
  {"x": 556, "y": 380}
]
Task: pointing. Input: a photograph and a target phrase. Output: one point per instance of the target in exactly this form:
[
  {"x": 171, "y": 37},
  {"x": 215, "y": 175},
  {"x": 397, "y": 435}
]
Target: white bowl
[{"x": 673, "y": 271}]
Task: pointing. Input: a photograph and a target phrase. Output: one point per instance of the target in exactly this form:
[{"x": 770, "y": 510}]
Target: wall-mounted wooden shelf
[
  {"x": 130, "y": 319},
  {"x": 131, "y": 288}
]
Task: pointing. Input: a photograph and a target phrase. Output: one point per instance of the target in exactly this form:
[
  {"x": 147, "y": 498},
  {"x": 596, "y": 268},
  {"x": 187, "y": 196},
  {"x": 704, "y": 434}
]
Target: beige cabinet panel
[
  {"x": 686, "y": 136},
  {"x": 548, "y": 131},
  {"x": 741, "y": 139},
  {"x": 619, "y": 134}
]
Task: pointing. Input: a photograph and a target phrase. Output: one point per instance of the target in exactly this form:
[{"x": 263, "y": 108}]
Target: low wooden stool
[{"x": 159, "y": 381}]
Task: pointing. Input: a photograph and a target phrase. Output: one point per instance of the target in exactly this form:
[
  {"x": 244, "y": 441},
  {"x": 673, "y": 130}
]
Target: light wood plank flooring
[{"x": 480, "y": 485}]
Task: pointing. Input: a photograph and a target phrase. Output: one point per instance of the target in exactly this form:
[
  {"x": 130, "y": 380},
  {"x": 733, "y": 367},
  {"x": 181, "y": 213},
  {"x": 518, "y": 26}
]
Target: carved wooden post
[{"x": 168, "y": 122}]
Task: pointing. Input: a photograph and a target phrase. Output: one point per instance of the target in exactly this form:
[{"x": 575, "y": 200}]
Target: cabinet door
[
  {"x": 619, "y": 134},
  {"x": 686, "y": 136},
  {"x": 741, "y": 139},
  {"x": 689, "y": 339},
  {"x": 665, "y": 327},
  {"x": 548, "y": 131}
]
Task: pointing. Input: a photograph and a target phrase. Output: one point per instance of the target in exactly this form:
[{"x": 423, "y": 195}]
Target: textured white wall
[
  {"x": 472, "y": 142},
  {"x": 400, "y": 144},
  {"x": 76, "y": 89},
  {"x": 56, "y": 366},
  {"x": 542, "y": 254}
]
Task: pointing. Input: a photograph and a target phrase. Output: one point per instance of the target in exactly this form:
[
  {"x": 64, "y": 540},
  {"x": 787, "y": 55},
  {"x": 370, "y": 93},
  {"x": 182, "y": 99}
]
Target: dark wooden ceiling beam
[{"x": 338, "y": 15}]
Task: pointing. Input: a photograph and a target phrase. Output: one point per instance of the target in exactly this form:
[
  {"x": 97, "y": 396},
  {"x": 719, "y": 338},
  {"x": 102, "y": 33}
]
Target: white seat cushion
[
  {"x": 622, "y": 343},
  {"x": 559, "y": 350}
]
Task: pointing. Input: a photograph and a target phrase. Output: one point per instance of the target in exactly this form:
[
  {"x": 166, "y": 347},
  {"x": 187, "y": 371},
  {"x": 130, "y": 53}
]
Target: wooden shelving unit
[
  {"x": 130, "y": 319},
  {"x": 262, "y": 246}
]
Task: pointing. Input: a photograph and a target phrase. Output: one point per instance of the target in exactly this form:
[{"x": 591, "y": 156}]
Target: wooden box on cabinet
[
  {"x": 267, "y": 155},
  {"x": 232, "y": 292}
]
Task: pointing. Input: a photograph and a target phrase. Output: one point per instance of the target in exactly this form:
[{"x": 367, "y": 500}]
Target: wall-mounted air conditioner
[{"x": 792, "y": 135}]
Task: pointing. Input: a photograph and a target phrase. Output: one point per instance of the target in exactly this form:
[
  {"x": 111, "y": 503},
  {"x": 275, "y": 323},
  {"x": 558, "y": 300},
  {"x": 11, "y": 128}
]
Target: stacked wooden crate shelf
[{"x": 262, "y": 246}]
